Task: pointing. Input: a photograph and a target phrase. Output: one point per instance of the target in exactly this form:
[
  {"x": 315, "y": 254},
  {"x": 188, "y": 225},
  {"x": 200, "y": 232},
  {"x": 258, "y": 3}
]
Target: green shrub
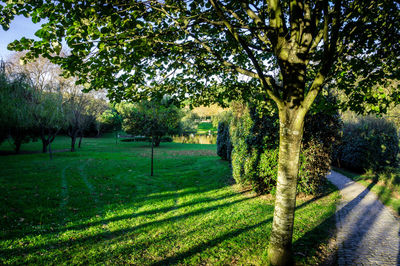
[
  {"x": 314, "y": 165},
  {"x": 224, "y": 145},
  {"x": 137, "y": 139},
  {"x": 369, "y": 143},
  {"x": 254, "y": 159},
  {"x": 166, "y": 139}
]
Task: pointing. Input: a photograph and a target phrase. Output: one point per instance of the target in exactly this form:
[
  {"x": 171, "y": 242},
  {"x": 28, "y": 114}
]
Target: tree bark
[
  {"x": 157, "y": 140},
  {"x": 73, "y": 140},
  {"x": 291, "y": 132},
  {"x": 44, "y": 145}
]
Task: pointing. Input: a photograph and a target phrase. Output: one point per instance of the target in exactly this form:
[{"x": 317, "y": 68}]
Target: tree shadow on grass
[
  {"x": 132, "y": 215},
  {"x": 216, "y": 241},
  {"x": 99, "y": 208},
  {"x": 116, "y": 233},
  {"x": 176, "y": 258}
]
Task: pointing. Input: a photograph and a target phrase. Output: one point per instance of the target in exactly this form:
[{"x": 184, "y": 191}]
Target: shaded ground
[{"x": 367, "y": 231}]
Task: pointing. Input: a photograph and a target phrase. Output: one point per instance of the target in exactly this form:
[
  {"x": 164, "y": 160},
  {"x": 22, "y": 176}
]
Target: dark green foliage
[
  {"x": 315, "y": 164},
  {"x": 16, "y": 113},
  {"x": 166, "y": 139},
  {"x": 153, "y": 119},
  {"x": 189, "y": 123},
  {"x": 369, "y": 143},
  {"x": 321, "y": 131},
  {"x": 254, "y": 154},
  {"x": 137, "y": 139},
  {"x": 255, "y": 138},
  {"x": 224, "y": 145},
  {"x": 146, "y": 139}
]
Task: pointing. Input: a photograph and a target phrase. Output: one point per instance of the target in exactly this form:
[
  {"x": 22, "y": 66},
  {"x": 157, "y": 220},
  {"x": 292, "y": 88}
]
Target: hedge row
[{"x": 254, "y": 137}]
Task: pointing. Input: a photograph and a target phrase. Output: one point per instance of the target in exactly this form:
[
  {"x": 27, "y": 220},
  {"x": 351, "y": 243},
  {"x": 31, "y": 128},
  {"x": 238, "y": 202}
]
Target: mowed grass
[
  {"x": 205, "y": 127},
  {"x": 100, "y": 205}
]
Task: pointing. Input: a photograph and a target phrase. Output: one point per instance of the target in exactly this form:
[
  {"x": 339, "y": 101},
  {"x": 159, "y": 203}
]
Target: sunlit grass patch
[{"x": 100, "y": 205}]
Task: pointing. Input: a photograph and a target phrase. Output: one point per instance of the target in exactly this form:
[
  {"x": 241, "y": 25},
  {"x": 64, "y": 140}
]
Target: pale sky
[{"x": 19, "y": 27}]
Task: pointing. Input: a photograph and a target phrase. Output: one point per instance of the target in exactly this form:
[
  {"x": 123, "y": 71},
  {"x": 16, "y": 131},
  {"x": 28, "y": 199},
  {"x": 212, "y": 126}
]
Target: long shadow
[
  {"x": 214, "y": 242},
  {"x": 139, "y": 200},
  {"x": 192, "y": 251},
  {"x": 117, "y": 233},
  {"x": 130, "y": 216},
  {"x": 308, "y": 239},
  {"x": 398, "y": 253}
]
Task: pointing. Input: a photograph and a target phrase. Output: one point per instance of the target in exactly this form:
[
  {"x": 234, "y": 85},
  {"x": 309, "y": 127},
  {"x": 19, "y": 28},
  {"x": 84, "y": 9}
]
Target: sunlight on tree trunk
[{"x": 291, "y": 132}]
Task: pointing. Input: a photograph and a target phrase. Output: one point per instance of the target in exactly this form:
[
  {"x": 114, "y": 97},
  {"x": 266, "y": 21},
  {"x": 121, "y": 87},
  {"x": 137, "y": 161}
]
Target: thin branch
[{"x": 266, "y": 83}]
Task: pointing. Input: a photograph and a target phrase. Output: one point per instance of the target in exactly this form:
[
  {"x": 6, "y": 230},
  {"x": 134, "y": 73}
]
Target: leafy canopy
[
  {"x": 259, "y": 50},
  {"x": 150, "y": 118}
]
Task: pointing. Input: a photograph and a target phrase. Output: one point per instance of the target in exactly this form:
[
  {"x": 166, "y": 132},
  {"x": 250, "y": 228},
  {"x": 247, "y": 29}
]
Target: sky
[{"x": 19, "y": 27}]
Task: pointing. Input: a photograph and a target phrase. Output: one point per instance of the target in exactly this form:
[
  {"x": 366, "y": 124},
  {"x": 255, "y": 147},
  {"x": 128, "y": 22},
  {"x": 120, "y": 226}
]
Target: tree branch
[{"x": 266, "y": 83}]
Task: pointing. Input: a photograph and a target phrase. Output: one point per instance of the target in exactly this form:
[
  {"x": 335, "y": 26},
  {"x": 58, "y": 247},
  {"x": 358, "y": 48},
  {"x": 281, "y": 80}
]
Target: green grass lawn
[
  {"x": 204, "y": 127},
  {"x": 385, "y": 185},
  {"x": 100, "y": 205}
]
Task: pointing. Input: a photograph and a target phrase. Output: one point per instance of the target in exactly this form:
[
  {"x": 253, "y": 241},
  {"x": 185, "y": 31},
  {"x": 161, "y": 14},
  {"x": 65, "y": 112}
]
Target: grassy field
[
  {"x": 100, "y": 205},
  {"x": 205, "y": 127},
  {"x": 385, "y": 185}
]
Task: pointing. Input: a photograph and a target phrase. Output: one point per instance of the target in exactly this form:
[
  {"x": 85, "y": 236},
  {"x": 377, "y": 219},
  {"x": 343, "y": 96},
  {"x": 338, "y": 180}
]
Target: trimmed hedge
[
  {"x": 224, "y": 145},
  {"x": 255, "y": 138},
  {"x": 146, "y": 139},
  {"x": 368, "y": 144}
]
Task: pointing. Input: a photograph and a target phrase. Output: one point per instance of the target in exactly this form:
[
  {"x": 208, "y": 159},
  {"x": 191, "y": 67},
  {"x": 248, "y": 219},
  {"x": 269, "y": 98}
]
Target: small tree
[
  {"x": 76, "y": 116},
  {"x": 48, "y": 116},
  {"x": 112, "y": 118},
  {"x": 94, "y": 109},
  {"x": 15, "y": 113},
  {"x": 153, "y": 119}
]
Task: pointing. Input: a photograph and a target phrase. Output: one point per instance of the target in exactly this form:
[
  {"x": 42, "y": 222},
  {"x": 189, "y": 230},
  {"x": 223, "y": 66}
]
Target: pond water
[{"x": 196, "y": 139}]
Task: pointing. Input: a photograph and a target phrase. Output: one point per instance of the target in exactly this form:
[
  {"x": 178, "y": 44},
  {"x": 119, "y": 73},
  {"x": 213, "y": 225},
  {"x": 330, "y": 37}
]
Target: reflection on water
[{"x": 196, "y": 139}]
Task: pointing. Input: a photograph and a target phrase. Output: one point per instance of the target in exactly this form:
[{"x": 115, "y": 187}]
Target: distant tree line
[{"x": 38, "y": 103}]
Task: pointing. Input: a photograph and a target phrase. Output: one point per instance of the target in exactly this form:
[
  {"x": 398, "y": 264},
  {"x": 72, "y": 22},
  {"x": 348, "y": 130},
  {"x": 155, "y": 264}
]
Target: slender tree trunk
[
  {"x": 73, "y": 140},
  {"x": 291, "y": 132},
  {"x": 44, "y": 145}
]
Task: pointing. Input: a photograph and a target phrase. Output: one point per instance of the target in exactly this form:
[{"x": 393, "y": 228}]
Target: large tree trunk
[{"x": 291, "y": 132}]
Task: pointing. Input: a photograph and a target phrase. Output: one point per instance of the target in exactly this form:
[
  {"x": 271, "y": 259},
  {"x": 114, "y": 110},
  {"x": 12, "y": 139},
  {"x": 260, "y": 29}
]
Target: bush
[
  {"x": 255, "y": 137},
  {"x": 137, "y": 139},
  {"x": 369, "y": 143},
  {"x": 224, "y": 145},
  {"x": 254, "y": 153},
  {"x": 166, "y": 139}
]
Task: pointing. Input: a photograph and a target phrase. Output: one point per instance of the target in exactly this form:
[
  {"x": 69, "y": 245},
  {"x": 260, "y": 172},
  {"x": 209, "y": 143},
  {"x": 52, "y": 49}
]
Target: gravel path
[{"x": 367, "y": 231}]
